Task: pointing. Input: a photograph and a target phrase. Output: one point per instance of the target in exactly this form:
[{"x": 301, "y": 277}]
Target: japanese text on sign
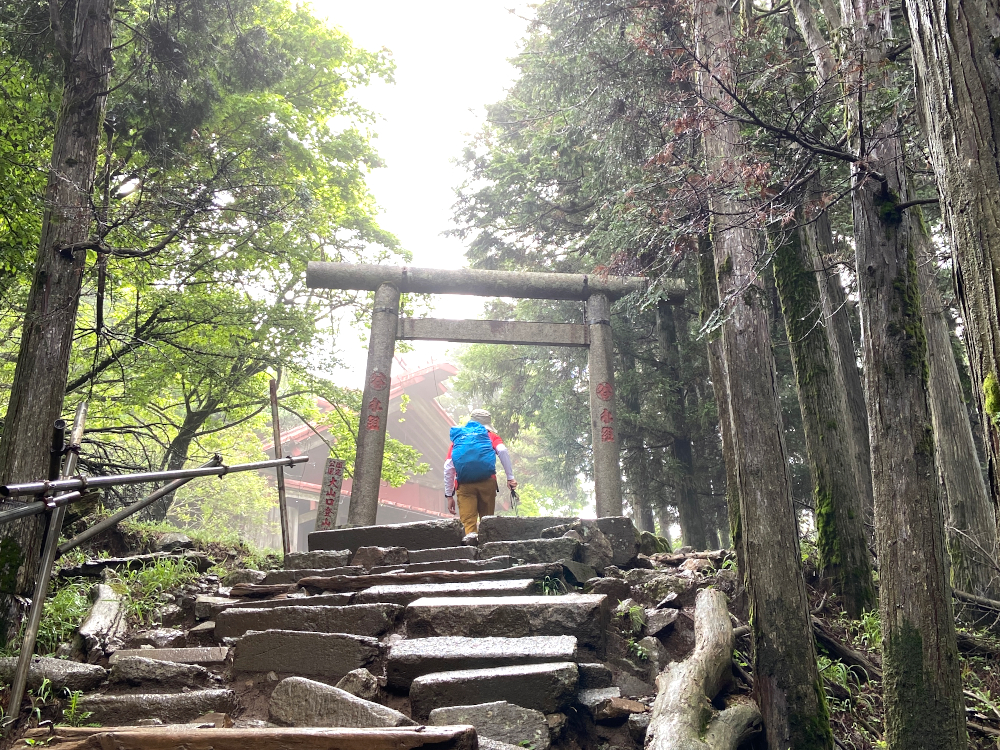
[{"x": 329, "y": 499}]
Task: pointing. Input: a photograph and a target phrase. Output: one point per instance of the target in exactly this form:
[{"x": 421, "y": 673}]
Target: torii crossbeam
[{"x": 388, "y": 282}]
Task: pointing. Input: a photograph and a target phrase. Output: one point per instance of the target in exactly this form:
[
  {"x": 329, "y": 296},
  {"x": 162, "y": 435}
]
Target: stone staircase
[{"x": 396, "y": 627}]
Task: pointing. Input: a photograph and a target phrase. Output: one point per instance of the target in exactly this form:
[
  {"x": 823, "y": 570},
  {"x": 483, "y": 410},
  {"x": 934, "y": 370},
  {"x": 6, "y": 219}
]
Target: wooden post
[
  {"x": 603, "y": 408},
  {"x": 374, "y": 408},
  {"x": 278, "y": 470}
]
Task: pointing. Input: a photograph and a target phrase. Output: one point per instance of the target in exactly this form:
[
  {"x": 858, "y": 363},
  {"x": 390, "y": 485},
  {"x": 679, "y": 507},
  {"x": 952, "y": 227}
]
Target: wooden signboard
[{"x": 329, "y": 499}]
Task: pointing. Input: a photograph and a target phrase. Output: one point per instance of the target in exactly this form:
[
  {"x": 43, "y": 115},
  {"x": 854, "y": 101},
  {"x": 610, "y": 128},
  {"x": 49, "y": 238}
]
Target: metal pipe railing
[{"x": 90, "y": 483}]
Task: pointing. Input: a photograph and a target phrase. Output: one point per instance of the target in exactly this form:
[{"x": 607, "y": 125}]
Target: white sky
[{"x": 451, "y": 61}]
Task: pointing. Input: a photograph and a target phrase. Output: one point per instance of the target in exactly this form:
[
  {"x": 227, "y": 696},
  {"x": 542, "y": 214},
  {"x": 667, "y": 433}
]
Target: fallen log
[
  {"x": 981, "y": 601},
  {"x": 339, "y": 584},
  {"x": 685, "y": 690},
  {"x": 675, "y": 558},
  {"x": 843, "y": 652},
  {"x": 173, "y": 737}
]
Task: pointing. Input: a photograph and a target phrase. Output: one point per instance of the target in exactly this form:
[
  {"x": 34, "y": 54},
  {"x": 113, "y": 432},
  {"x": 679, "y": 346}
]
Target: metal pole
[
  {"x": 278, "y": 469},
  {"x": 603, "y": 408},
  {"x": 374, "y": 408},
  {"x": 83, "y": 483},
  {"x": 135, "y": 507},
  {"x": 45, "y": 571}
]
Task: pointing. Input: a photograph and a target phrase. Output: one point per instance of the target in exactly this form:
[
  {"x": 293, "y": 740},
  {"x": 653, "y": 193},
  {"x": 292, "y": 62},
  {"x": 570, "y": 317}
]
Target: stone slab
[
  {"x": 412, "y": 658},
  {"x": 371, "y": 557},
  {"x": 60, "y": 672},
  {"x": 494, "y": 563},
  {"x": 203, "y": 655},
  {"x": 321, "y": 600},
  {"x": 298, "y": 702},
  {"x": 543, "y": 687},
  {"x": 418, "y": 535},
  {"x": 584, "y": 616},
  {"x": 319, "y": 559},
  {"x": 405, "y": 594},
  {"x": 362, "y": 619},
  {"x": 501, "y": 721},
  {"x": 443, "y": 553},
  {"x": 175, "y": 708},
  {"x": 533, "y": 550},
  {"x": 594, "y": 675},
  {"x": 592, "y": 698},
  {"x": 290, "y": 576},
  {"x": 207, "y": 607},
  {"x": 159, "y": 638},
  {"x": 329, "y": 655},
  {"x": 511, "y": 528},
  {"x": 624, "y": 538},
  {"x": 165, "y": 676}
]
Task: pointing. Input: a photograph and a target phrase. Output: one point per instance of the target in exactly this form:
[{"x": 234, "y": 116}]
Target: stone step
[
  {"x": 500, "y": 721},
  {"x": 494, "y": 562},
  {"x": 266, "y": 738},
  {"x": 328, "y": 655},
  {"x": 324, "y": 559},
  {"x": 298, "y": 702},
  {"x": 161, "y": 676},
  {"x": 408, "y": 593},
  {"x": 412, "y": 658},
  {"x": 443, "y": 553},
  {"x": 584, "y": 616},
  {"x": 320, "y": 600},
  {"x": 544, "y": 687},
  {"x": 362, "y": 619},
  {"x": 175, "y": 708},
  {"x": 413, "y": 536},
  {"x": 200, "y": 655},
  {"x": 619, "y": 530},
  {"x": 292, "y": 576},
  {"x": 534, "y": 550},
  {"x": 60, "y": 673},
  {"x": 345, "y": 584}
]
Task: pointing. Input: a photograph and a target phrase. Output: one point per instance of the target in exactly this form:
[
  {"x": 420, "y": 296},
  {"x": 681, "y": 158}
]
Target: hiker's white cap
[{"x": 481, "y": 415}]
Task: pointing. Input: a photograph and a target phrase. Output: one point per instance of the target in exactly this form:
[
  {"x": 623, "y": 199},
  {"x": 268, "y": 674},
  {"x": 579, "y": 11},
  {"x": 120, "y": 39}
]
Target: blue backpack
[{"x": 472, "y": 452}]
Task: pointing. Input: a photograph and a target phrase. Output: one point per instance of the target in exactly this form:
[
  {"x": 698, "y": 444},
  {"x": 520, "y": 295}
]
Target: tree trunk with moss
[
  {"x": 841, "y": 539},
  {"x": 39, "y": 385},
  {"x": 922, "y": 686},
  {"x": 787, "y": 685},
  {"x": 955, "y": 48},
  {"x": 972, "y": 530}
]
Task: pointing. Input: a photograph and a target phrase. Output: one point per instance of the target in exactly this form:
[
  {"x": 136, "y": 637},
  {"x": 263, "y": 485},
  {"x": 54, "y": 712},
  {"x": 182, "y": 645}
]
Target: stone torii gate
[{"x": 388, "y": 282}]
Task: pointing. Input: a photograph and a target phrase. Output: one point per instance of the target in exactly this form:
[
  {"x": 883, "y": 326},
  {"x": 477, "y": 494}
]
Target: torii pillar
[{"x": 388, "y": 282}]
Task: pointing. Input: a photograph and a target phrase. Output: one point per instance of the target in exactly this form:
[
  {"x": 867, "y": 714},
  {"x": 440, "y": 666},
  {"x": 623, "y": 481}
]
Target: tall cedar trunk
[
  {"x": 636, "y": 463},
  {"x": 924, "y": 707},
  {"x": 663, "y": 521},
  {"x": 709, "y": 290},
  {"x": 691, "y": 516},
  {"x": 786, "y": 681},
  {"x": 958, "y": 84},
  {"x": 841, "y": 538},
  {"x": 39, "y": 385},
  {"x": 972, "y": 530}
]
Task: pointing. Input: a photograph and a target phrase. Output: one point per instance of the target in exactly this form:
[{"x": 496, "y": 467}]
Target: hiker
[{"x": 470, "y": 469}]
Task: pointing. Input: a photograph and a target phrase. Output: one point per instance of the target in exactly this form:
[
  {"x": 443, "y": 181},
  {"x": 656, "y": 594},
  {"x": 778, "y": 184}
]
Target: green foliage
[
  {"x": 62, "y": 613},
  {"x": 552, "y": 586},
  {"x": 868, "y": 630},
  {"x": 73, "y": 715},
  {"x": 991, "y": 390},
  {"x": 639, "y": 652},
  {"x": 144, "y": 587}
]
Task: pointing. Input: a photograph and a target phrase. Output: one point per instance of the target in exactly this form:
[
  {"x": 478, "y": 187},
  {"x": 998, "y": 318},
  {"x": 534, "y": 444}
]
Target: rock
[
  {"x": 659, "y": 620},
  {"x": 444, "y": 553},
  {"x": 617, "y": 709},
  {"x": 207, "y": 607},
  {"x": 203, "y": 629},
  {"x": 203, "y": 655},
  {"x": 594, "y": 676},
  {"x": 494, "y": 563},
  {"x": 533, "y": 550},
  {"x": 361, "y": 619},
  {"x": 159, "y": 638},
  {"x": 657, "y": 655},
  {"x": 579, "y": 573},
  {"x": 176, "y": 708},
  {"x": 321, "y": 600},
  {"x": 370, "y": 557},
  {"x": 622, "y": 535},
  {"x": 471, "y": 540},
  {"x": 670, "y": 600},
  {"x": 419, "y": 535},
  {"x": 501, "y": 721},
  {"x": 409, "y": 659},
  {"x": 61, "y": 673},
  {"x": 319, "y": 560},
  {"x": 638, "y": 723},
  {"x": 651, "y": 544},
  {"x": 329, "y": 655},
  {"x": 103, "y": 630},
  {"x": 614, "y": 588},
  {"x": 557, "y": 725},
  {"x": 652, "y": 586},
  {"x": 243, "y": 576},
  {"x": 584, "y": 616},
  {"x": 136, "y": 671},
  {"x": 173, "y": 542},
  {"x": 698, "y": 565},
  {"x": 167, "y": 615},
  {"x": 544, "y": 687},
  {"x": 641, "y": 561},
  {"x": 361, "y": 683},
  {"x": 510, "y": 528},
  {"x": 592, "y": 698},
  {"x": 298, "y": 702},
  {"x": 411, "y": 592},
  {"x": 275, "y": 577},
  {"x": 485, "y": 743},
  {"x": 635, "y": 687}
]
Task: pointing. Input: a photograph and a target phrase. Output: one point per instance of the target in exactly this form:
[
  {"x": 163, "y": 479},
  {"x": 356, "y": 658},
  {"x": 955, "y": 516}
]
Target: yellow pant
[{"x": 476, "y": 499}]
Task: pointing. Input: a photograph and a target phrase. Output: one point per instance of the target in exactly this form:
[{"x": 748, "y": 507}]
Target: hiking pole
[
  {"x": 56, "y": 517},
  {"x": 514, "y": 500}
]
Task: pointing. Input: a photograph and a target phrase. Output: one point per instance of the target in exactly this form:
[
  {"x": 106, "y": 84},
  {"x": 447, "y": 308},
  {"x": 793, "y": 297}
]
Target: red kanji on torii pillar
[{"x": 389, "y": 281}]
